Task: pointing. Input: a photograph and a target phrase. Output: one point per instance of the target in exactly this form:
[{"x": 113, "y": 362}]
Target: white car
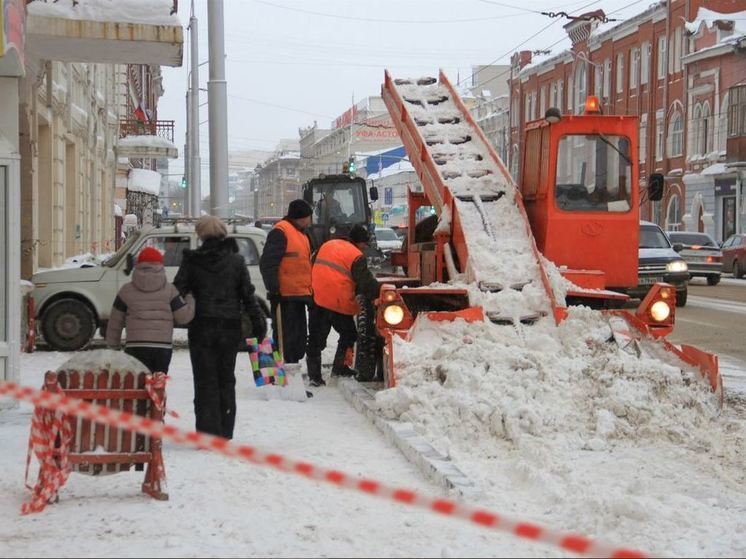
[
  {"x": 72, "y": 302},
  {"x": 387, "y": 239}
]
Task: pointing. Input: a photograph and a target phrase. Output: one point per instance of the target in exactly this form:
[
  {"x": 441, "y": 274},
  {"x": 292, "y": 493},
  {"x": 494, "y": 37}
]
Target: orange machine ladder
[{"x": 466, "y": 181}]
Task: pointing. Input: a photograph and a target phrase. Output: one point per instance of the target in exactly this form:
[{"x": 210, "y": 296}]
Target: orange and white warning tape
[{"x": 574, "y": 543}]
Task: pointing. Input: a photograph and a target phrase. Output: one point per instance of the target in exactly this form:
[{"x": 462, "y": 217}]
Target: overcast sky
[{"x": 291, "y": 62}]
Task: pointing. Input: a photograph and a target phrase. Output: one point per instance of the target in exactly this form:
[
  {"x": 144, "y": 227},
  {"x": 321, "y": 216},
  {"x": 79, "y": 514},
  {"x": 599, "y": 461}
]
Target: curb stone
[{"x": 434, "y": 464}]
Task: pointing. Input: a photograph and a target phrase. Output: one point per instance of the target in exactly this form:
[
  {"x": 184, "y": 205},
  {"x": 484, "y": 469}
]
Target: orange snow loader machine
[{"x": 569, "y": 231}]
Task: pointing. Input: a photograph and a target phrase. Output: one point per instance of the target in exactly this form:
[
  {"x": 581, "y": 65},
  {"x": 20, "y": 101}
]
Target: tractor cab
[
  {"x": 580, "y": 188},
  {"x": 339, "y": 202}
]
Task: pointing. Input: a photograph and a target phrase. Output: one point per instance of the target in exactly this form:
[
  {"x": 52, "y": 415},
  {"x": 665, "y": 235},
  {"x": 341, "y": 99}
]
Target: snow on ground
[
  {"x": 553, "y": 424},
  {"x": 560, "y": 425}
]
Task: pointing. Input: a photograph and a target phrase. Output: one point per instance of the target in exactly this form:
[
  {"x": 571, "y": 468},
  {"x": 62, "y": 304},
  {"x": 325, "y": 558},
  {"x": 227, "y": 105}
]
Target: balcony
[
  {"x": 125, "y": 32},
  {"x": 147, "y": 140}
]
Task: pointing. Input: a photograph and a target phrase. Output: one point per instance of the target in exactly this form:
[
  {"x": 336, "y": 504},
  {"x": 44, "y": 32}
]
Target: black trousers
[
  {"x": 321, "y": 322},
  {"x": 157, "y": 359},
  {"x": 213, "y": 345},
  {"x": 294, "y": 328}
]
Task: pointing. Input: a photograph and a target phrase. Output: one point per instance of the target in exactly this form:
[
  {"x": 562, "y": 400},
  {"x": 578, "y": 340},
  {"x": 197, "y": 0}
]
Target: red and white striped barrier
[{"x": 574, "y": 543}]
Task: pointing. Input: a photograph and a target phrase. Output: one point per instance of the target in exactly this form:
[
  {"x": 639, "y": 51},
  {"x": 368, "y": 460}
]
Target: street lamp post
[
  {"x": 195, "y": 161},
  {"x": 218, "y": 98}
]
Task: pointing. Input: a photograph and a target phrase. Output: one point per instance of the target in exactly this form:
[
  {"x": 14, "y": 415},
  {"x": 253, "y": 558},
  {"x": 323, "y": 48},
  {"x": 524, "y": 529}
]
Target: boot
[
  {"x": 340, "y": 367},
  {"x": 314, "y": 371}
]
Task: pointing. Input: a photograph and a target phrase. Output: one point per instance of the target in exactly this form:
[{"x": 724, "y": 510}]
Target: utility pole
[
  {"x": 188, "y": 155},
  {"x": 217, "y": 91},
  {"x": 195, "y": 161}
]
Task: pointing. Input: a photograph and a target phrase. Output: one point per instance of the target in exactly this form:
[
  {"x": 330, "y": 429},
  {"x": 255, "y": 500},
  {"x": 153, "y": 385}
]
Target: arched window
[
  {"x": 696, "y": 125},
  {"x": 673, "y": 215},
  {"x": 676, "y": 135},
  {"x": 581, "y": 87},
  {"x": 704, "y": 129}
]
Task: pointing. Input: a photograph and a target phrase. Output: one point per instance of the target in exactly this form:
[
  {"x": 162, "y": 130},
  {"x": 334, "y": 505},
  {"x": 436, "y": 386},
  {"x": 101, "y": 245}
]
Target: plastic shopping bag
[{"x": 273, "y": 378}]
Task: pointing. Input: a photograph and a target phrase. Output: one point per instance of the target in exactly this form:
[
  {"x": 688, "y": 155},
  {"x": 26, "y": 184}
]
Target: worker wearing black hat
[
  {"x": 286, "y": 270},
  {"x": 340, "y": 273}
]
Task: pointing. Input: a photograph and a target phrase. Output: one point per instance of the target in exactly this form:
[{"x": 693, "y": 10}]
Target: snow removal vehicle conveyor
[{"x": 515, "y": 254}]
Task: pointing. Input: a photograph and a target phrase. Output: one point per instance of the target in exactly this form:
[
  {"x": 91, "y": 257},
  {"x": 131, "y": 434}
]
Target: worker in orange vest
[
  {"x": 286, "y": 270},
  {"x": 340, "y": 272}
]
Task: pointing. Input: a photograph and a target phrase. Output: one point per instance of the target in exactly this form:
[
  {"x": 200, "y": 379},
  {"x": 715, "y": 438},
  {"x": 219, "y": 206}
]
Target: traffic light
[
  {"x": 352, "y": 166},
  {"x": 183, "y": 182},
  {"x": 345, "y": 168}
]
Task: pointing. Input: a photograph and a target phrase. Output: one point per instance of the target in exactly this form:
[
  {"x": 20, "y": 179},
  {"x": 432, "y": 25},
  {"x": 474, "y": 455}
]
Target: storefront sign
[{"x": 725, "y": 187}]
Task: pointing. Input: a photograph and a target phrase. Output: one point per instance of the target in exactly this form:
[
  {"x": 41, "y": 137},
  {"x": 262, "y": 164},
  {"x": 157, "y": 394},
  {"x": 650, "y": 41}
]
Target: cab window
[
  {"x": 247, "y": 249},
  {"x": 172, "y": 248},
  {"x": 338, "y": 203},
  {"x": 594, "y": 174}
]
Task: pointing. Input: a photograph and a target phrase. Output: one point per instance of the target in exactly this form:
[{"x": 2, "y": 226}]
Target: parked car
[
  {"x": 71, "y": 303},
  {"x": 734, "y": 255},
  {"x": 387, "y": 239},
  {"x": 659, "y": 262},
  {"x": 701, "y": 253}
]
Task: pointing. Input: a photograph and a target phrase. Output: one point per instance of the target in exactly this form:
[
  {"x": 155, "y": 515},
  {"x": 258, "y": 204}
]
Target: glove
[{"x": 273, "y": 298}]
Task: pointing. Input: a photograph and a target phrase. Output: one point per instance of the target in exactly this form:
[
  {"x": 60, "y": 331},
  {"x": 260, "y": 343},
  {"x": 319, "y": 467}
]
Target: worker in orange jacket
[
  {"x": 340, "y": 272},
  {"x": 286, "y": 270}
]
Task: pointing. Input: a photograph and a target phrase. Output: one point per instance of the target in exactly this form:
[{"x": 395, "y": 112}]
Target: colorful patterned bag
[{"x": 266, "y": 363}]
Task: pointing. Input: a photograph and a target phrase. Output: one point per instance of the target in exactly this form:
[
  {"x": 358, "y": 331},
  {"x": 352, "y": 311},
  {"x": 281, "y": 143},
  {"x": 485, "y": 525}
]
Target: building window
[
  {"x": 661, "y": 57},
  {"x": 560, "y": 89},
  {"x": 673, "y": 215},
  {"x": 515, "y": 161},
  {"x": 694, "y": 132},
  {"x": 527, "y": 108},
  {"x": 607, "y": 78},
  {"x": 703, "y": 131},
  {"x": 659, "y": 138},
  {"x": 676, "y": 135},
  {"x": 543, "y": 109},
  {"x": 643, "y": 137},
  {"x": 554, "y": 96},
  {"x": 581, "y": 87},
  {"x": 620, "y": 73},
  {"x": 634, "y": 64},
  {"x": 514, "y": 114},
  {"x": 678, "y": 39},
  {"x": 737, "y": 111},
  {"x": 645, "y": 63},
  {"x": 598, "y": 80}
]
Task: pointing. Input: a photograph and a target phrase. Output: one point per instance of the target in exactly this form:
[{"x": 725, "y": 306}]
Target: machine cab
[
  {"x": 580, "y": 189},
  {"x": 339, "y": 202}
]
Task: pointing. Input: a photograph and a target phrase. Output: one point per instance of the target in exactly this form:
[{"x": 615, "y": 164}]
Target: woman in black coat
[{"x": 216, "y": 275}]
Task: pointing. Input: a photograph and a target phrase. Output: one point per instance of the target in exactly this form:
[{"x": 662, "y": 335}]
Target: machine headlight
[
  {"x": 677, "y": 266},
  {"x": 660, "y": 311},
  {"x": 393, "y": 315}
]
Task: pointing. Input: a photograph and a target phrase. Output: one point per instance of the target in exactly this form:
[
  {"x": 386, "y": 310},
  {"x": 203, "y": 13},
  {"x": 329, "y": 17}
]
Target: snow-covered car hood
[
  {"x": 659, "y": 254},
  {"x": 66, "y": 275},
  {"x": 388, "y": 245}
]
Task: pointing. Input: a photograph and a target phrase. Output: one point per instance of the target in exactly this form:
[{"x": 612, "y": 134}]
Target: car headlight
[
  {"x": 677, "y": 266},
  {"x": 660, "y": 311},
  {"x": 393, "y": 315}
]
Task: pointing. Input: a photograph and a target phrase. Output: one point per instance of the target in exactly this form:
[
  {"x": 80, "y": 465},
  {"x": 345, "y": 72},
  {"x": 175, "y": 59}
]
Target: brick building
[{"x": 648, "y": 66}]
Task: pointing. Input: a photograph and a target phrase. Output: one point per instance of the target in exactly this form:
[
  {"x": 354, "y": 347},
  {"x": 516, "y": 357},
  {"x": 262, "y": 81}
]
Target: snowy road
[{"x": 717, "y": 304}]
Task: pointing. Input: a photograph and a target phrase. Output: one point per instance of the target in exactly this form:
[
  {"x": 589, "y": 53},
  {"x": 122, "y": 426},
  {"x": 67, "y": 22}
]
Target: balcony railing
[{"x": 161, "y": 128}]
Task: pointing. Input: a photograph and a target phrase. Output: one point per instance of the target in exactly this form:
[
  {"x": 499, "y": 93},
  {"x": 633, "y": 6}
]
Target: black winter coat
[{"x": 216, "y": 275}]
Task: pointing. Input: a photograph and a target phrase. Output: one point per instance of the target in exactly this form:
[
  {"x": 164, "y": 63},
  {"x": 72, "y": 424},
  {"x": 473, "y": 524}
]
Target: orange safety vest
[
  {"x": 295, "y": 266},
  {"x": 333, "y": 286}
]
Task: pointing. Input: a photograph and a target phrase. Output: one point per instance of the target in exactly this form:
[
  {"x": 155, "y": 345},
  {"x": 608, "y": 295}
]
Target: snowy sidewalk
[{"x": 220, "y": 507}]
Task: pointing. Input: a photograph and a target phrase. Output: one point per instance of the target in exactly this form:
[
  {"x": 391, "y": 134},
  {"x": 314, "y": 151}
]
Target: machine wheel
[
  {"x": 737, "y": 270},
  {"x": 681, "y": 297},
  {"x": 366, "y": 348},
  {"x": 68, "y": 325},
  {"x": 713, "y": 280}
]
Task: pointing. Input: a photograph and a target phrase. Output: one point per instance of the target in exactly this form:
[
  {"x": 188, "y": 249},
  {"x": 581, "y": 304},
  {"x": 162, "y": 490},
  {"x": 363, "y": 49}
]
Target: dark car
[
  {"x": 734, "y": 255},
  {"x": 659, "y": 263},
  {"x": 701, "y": 254}
]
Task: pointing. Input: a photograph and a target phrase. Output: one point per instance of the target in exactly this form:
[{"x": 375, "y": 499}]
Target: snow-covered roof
[
  {"x": 147, "y": 12},
  {"x": 716, "y": 169},
  {"x": 709, "y": 17},
  {"x": 143, "y": 180}
]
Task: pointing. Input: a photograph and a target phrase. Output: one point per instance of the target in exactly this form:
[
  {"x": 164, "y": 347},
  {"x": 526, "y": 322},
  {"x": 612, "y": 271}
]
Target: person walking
[
  {"x": 340, "y": 273},
  {"x": 148, "y": 307},
  {"x": 286, "y": 269},
  {"x": 216, "y": 275}
]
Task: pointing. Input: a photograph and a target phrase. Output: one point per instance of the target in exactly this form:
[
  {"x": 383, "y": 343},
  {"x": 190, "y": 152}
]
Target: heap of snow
[
  {"x": 568, "y": 386},
  {"x": 118, "y": 211},
  {"x": 149, "y": 141},
  {"x": 709, "y": 17},
  {"x": 144, "y": 180},
  {"x": 148, "y": 12}
]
